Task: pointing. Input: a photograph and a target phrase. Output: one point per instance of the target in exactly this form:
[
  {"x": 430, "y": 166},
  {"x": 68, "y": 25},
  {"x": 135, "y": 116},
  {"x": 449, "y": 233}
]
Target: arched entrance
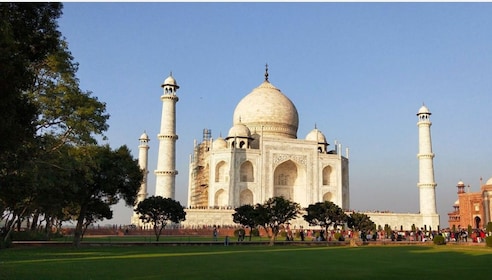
[{"x": 477, "y": 222}]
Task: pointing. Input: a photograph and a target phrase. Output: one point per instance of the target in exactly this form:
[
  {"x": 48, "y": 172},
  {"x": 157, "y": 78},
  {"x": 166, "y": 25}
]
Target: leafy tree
[
  {"x": 158, "y": 211},
  {"x": 101, "y": 176},
  {"x": 246, "y": 215},
  {"x": 42, "y": 109},
  {"x": 97, "y": 210},
  {"x": 325, "y": 214},
  {"x": 274, "y": 213},
  {"x": 360, "y": 222},
  {"x": 28, "y": 34}
]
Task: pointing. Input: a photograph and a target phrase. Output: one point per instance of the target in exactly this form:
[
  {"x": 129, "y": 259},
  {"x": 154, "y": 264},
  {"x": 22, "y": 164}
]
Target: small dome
[
  {"x": 424, "y": 110},
  {"x": 460, "y": 183},
  {"x": 219, "y": 143},
  {"x": 489, "y": 181},
  {"x": 457, "y": 202},
  {"x": 144, "y": 136},
  {"x": 316, "y": 135},
  {"x": 170, "y": 81},
  {"x": 239, "y": 130}
]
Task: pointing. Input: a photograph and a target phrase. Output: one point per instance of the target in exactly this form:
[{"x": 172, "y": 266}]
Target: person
[
  {"x": 302, "y": 234},
  {"x": 215, "y": 233},
  {"x": 240, "y": 234}
]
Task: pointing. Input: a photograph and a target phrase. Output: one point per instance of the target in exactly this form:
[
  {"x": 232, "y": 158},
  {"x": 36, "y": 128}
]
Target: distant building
[{"x": 472, "y": 208}]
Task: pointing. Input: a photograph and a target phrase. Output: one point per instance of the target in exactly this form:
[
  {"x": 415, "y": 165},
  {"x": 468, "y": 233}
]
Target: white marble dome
[
  {"x": 239, "y": 130},
  {"x": 220, "y": 143},
  {"x": 489, "y": 181},
  {"x": 424, "y": 110},
  {"x": 170, "y": 81},
  {"x": 267, "y": 110},
  {"x": 144, "y": 136},
  {"x": 316, "y": 135}
]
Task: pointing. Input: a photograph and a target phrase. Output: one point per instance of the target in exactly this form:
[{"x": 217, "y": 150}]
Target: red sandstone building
[{"x": 472, "y": 208}]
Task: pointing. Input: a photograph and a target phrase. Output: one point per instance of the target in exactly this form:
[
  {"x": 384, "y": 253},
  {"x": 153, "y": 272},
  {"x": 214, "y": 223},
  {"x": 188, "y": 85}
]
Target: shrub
[
  {"x": 439, "y": 240},
  {"x": 255, "y": 232},
  {"x": 29, "y": 236},
  {"x": 488, "y": 241},
  {"x": 338, "y": 236},
  {"x": 489, "y": 227}
]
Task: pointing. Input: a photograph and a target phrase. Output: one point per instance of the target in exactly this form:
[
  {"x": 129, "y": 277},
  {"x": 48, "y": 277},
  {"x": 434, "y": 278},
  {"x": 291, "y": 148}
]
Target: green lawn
[{"x": 247, "y": 262}]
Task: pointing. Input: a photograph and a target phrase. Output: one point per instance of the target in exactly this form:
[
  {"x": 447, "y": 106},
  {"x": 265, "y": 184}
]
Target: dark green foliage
[
  {"x": 488, "y": 241},
  {"x": 158, "y": 211},
  {"x": 246, "y": 215},
  {"x": 325, "y": 214},
  {"x": 360, "y": 222},
  {"x": 28, "y": 34},
  {"x": 439, "y": 240},
  {"x": 100, "y": 178},
  {"x": 489, "y": 227},
  {"x": 274, "y": 213},
  {"x": 44, "y": 114}
]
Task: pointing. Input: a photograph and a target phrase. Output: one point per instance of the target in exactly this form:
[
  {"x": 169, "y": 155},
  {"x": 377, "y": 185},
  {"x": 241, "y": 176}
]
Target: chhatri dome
[
  {"x": 316, "y": 135},
  {"x": 239, "y": 130},
  {"x": 489, "y": 181},
  {"x": 267, "y": 110}
]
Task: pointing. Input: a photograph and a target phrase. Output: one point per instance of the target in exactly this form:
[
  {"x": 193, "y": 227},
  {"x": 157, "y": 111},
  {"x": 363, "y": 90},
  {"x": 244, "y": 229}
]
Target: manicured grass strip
[{"x": 246, "y": 262}]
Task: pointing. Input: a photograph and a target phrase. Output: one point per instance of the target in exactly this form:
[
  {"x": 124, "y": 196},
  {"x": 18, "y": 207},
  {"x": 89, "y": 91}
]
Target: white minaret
[
  {"x": 166, "y": 160},
  {"x": 426, "y": 184},
  {"x": 143, "y": 159}
]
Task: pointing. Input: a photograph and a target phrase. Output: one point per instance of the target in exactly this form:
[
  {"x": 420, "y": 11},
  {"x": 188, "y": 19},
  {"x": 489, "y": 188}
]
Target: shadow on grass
[{"x": 247, "y": 262}]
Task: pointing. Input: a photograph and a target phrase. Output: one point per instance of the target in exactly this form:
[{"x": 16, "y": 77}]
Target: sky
[{"x": 359, "y": 72}]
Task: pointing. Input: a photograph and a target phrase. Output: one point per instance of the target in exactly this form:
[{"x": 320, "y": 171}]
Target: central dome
[{"x": 266, "y": 109}]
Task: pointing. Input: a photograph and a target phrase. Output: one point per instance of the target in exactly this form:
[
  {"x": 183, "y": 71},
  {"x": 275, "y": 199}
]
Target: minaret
[
  {"x": 143, "y": 159},
  {"x": 426, "y": 184},
  {"x": 166, "y": 160}
]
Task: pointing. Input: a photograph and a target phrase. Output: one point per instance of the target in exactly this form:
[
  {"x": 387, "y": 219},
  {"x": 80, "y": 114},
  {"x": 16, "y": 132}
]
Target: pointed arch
[
  {"x": 285, "y": 177},
  {"x": 220, "y": 198},
  {"x": 221, "y": 172},
  {"x": 246, "y": 172},
  {"x": 246, "y": 197},
  {"x": 327, "y": 176},
  {"x": 328, "y": 196}
]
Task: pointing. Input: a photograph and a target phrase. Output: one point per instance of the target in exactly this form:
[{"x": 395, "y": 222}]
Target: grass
[{"x": 246, "y": 262}]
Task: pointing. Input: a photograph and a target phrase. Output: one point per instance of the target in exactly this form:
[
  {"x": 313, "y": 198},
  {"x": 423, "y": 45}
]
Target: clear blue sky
[{"x": 358, "y": 71}]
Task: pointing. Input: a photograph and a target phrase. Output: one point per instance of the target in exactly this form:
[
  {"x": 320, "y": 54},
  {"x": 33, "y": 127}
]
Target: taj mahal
[{"x": 262, "y": 157}]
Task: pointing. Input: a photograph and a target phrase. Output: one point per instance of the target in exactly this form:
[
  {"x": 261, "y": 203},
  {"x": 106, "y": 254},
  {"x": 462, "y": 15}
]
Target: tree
[
  {"x": 274, "y": 213},
  {"x": 325, "y": 214},
  {"x": 42, "y": 109},
  {"x": 158, "y": 211},
  {"x": 28, "y": 34},
  {"x": 246, "y": 215},
  {"x": 360, "y": 222},
  {"x": 101, "y": 176}
]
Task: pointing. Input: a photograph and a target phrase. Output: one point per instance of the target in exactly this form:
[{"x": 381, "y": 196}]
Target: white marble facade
[{"x": 261, "y": 157}]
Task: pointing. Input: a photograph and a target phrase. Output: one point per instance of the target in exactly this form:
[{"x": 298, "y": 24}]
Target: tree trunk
[
  {"x": 34, "y": 223},
  {"x": 77, "y": 235},
  {"x": 10, "y": 226},
  {"x": 274, "y": 235}
]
